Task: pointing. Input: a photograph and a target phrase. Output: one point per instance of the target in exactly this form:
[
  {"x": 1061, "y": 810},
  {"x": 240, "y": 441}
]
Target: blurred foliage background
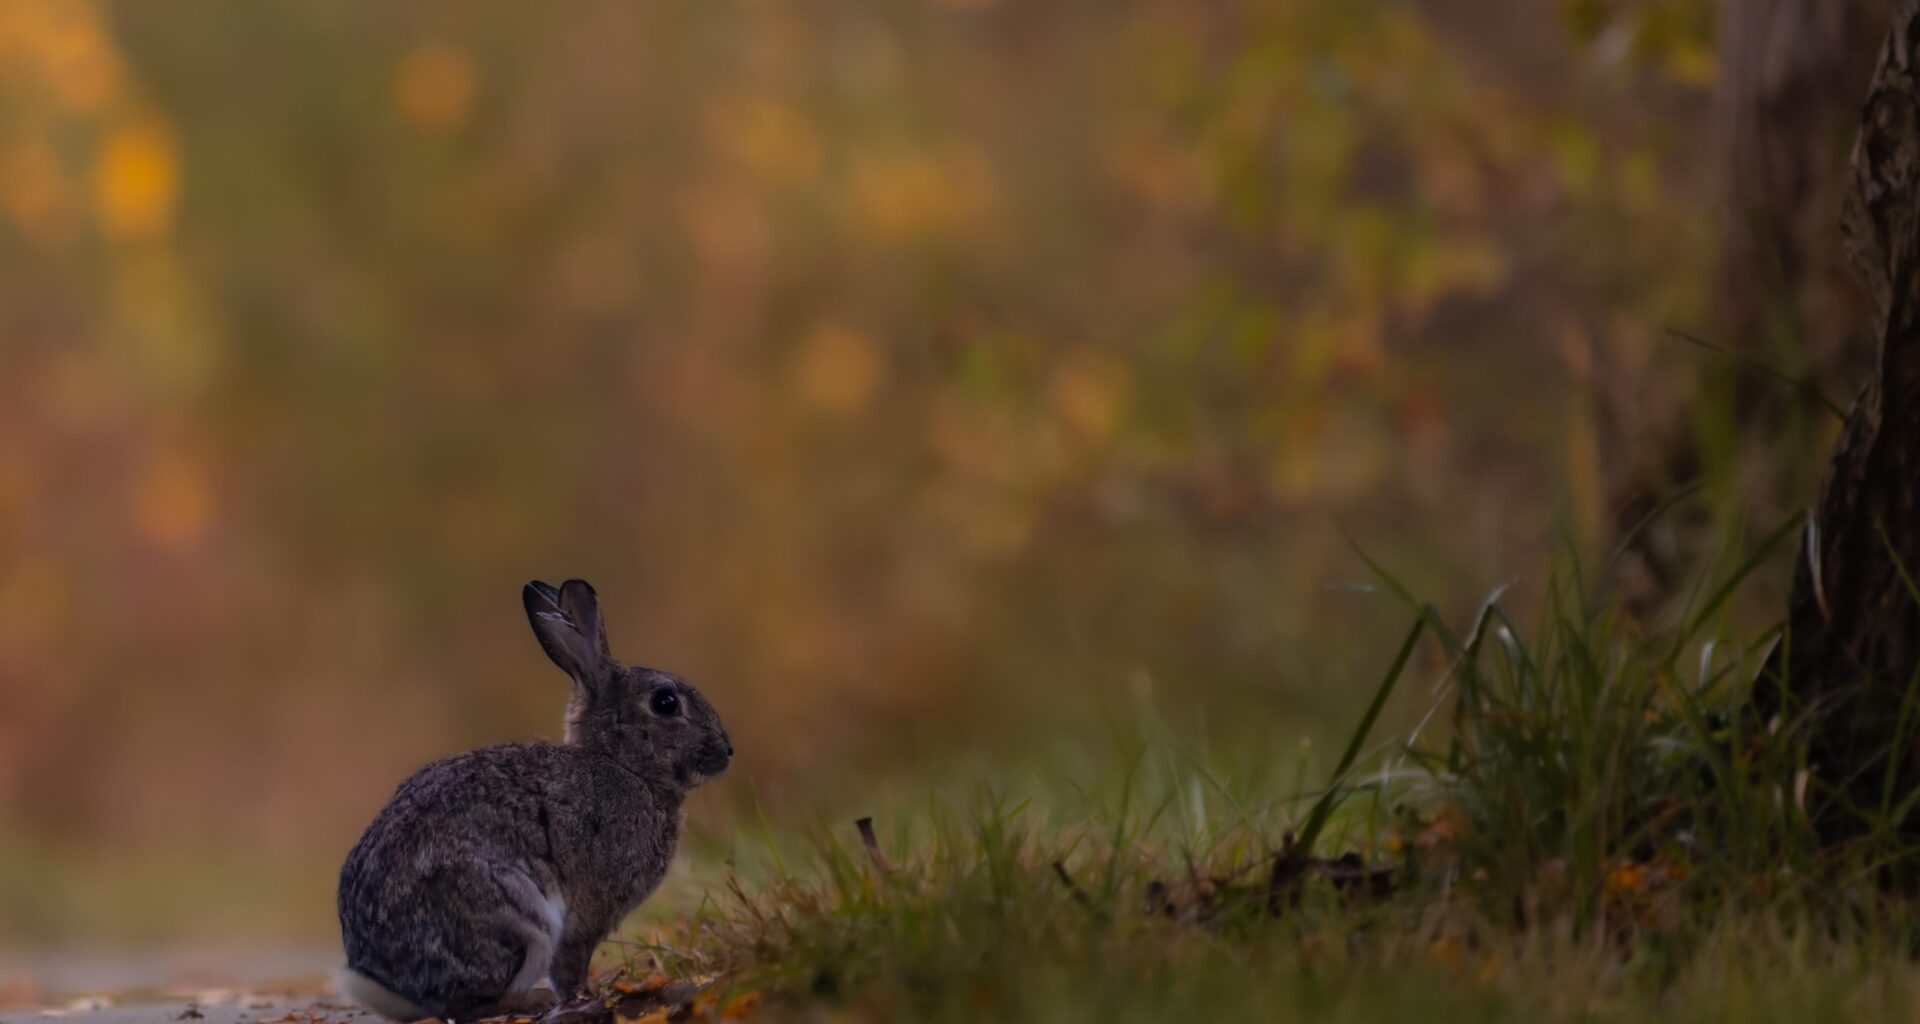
[{"x": 922, "y": 379}]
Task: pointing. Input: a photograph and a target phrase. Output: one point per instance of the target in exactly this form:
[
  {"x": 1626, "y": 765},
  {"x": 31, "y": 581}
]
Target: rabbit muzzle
[{"x": 708, "y": 761}]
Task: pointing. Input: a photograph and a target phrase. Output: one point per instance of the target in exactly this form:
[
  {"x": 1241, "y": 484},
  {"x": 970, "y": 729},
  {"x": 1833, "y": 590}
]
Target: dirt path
[
  {"x": 219, "y": 1008},
  {"x": 220, "y": 985}
]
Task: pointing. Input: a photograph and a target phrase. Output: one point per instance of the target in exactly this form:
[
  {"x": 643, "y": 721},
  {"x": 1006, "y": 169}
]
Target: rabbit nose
[{"x": 729, "y": 748}]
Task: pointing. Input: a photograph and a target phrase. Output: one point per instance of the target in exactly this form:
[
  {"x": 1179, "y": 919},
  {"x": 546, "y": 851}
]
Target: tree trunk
[
  {"x": 1791, "y": 76},
  {"x": 1786, "y": 103},
  {"x": 1853, "y": 642}
]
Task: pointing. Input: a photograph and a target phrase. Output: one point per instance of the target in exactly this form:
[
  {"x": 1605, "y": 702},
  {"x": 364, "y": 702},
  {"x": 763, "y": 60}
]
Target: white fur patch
[
  {"x": 375, "y": 996},
  {"x": 536, "y": 970}
]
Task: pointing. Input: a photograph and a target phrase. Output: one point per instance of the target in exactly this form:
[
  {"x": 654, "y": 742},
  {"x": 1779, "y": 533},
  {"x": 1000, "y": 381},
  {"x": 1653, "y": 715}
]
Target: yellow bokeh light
[
  {"x": 838, "y": 370},
  {"x": 1088, "y": 392},
  {"x": 917, "y": 194},
  {"x": 136, "y": 181},
  {"x": 435, "y": 87},
  {"x": 79, "y": 61},
  {"x": 771, "y": 139}
]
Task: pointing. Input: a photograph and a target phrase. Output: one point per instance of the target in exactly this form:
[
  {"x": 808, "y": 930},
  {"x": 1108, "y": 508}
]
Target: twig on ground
[
  {"x": 865, "y": 825},
  {"x": 1080, "y": 897},
  {"x": 1349, "y": 873}
]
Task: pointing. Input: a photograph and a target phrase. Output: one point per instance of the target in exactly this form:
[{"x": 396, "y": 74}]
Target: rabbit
[{"x": 492, "y": 875}]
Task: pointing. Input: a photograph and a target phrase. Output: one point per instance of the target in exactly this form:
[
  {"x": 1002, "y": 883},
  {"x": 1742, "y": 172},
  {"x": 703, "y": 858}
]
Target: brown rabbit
[{"x": 495, "y": 873}]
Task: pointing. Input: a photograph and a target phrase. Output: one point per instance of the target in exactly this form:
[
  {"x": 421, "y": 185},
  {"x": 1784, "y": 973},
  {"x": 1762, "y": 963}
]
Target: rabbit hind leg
[
  {"x": 541, "y": 917},
  {"x": 530, "y": 922}
]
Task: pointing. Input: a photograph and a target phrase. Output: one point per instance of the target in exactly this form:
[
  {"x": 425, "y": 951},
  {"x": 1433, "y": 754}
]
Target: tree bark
[
  {"x": 1853, "y": 641},
  {"x": 1785, "y": 106}
]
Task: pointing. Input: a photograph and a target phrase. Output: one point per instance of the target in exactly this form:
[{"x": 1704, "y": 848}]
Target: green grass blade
[
  {"x": 1323, "y": 808},
  {"x": 1732, "y": 583},
  {"x": 1801, "y": 385},
  {"x": 1426, "y": 611}
]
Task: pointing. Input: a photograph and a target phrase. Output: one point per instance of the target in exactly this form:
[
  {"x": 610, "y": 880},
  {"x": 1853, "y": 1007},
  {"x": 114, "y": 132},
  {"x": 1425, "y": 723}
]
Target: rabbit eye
[{"x": 664, "y": 703}]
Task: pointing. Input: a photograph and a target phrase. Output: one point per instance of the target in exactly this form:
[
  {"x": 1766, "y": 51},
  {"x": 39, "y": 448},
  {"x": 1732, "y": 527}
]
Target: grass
[{"x": 1577, "y": 830}]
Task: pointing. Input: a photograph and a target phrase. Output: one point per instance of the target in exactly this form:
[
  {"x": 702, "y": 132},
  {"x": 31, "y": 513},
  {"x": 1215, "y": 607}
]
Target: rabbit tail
[{"x": 376, "y": 997}]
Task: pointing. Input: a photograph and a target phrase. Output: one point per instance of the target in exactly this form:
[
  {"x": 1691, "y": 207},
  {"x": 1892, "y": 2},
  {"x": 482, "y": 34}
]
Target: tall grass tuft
[{"x": 1584, "y": 816}]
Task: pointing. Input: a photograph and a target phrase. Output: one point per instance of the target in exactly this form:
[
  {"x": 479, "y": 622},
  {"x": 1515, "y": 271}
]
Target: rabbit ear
[{"x": 567, "y": 621}]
